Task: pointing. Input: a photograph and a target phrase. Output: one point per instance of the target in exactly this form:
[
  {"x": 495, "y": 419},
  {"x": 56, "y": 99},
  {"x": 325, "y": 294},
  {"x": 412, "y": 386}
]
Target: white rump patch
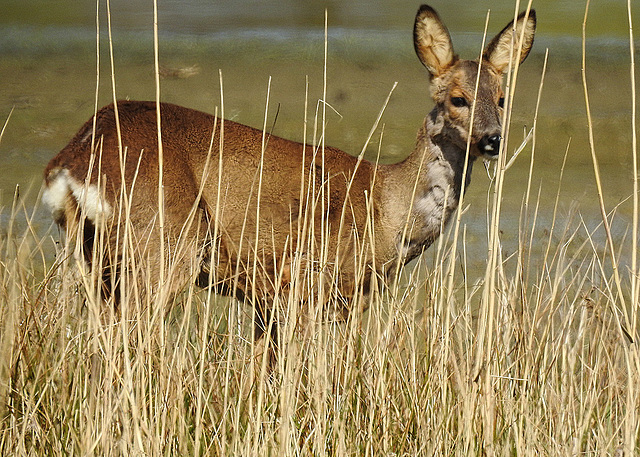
[
  {"x": 55, "y": 194},
  {"x": 91, "y": 203}
]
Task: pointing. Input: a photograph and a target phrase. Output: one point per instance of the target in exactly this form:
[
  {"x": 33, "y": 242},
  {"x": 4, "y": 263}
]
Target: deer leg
[{"x": 266, "y": 326}]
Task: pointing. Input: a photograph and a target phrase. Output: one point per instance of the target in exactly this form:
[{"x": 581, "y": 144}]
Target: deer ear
[
  {"x": 432, "y": 41},
  {"x": 505, "y": 45}
]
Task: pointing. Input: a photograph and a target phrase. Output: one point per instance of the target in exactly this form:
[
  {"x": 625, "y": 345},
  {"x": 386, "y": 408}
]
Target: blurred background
[{"x": 51, "y": 64}]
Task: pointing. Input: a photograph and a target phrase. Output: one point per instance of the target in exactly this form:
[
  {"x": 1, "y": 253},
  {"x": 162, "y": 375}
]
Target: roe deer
[{"x": 241, "y": 199}]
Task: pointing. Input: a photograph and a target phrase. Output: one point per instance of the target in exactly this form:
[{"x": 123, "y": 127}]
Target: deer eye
[
  {"x": 459, "y": 102},
  {"x": 501, "y": 102}
]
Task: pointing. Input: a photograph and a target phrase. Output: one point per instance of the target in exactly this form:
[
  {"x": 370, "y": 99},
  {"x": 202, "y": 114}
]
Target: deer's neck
[{"x": 433, "y": 176}]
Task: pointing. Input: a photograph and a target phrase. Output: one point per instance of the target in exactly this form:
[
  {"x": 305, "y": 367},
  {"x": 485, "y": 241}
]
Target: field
[{"x": 534, "y": 355}]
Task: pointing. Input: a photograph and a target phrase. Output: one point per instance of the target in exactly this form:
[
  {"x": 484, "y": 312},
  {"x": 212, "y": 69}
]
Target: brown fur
[{"x": 421, "y": 191}]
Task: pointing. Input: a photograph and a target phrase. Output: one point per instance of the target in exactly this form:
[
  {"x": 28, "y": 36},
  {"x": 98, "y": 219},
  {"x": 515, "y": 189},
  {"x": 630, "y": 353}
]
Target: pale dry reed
[{"x": 537, "y": 357}]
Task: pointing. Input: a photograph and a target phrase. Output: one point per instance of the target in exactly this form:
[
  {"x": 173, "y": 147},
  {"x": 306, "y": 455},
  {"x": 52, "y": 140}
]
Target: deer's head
[{"x": 454, "y": 80}]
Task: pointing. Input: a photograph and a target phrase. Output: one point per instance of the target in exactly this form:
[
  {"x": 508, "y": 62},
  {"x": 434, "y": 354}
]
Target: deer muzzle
[{"x": 489, "y": 145}]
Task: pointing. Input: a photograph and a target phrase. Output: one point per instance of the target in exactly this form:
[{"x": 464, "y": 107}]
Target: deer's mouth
[{"x": 489, "y": 146}]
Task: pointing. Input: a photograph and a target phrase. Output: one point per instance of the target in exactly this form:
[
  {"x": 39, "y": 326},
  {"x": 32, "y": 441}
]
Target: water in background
[{"x": 49, "y": 68}]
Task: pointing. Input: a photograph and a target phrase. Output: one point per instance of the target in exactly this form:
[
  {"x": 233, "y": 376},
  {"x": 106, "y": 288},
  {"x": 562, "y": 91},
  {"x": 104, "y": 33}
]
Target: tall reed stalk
[{"x": 530, "y": 357}]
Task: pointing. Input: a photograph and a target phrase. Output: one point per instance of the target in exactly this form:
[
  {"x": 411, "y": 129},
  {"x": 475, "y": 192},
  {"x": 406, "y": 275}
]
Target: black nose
[{"x": 490, "y": 144}]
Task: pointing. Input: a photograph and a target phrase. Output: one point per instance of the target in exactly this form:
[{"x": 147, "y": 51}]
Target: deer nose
[{"x": 490, "y": 144}]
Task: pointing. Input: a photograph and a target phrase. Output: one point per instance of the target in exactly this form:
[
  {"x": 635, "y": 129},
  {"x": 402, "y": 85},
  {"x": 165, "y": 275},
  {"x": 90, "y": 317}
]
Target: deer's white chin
[{"x": 490, "y": 155}]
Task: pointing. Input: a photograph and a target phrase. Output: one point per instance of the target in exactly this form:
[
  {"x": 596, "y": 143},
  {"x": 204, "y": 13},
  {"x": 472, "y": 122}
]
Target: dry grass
[{"x": 534, "y": 358}]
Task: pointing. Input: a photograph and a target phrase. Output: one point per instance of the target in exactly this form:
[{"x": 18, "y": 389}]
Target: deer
[{"x": 234, "y": 197}]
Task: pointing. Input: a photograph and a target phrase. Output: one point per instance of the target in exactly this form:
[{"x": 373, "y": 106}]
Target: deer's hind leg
[{"x": 265, "y": 331}]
